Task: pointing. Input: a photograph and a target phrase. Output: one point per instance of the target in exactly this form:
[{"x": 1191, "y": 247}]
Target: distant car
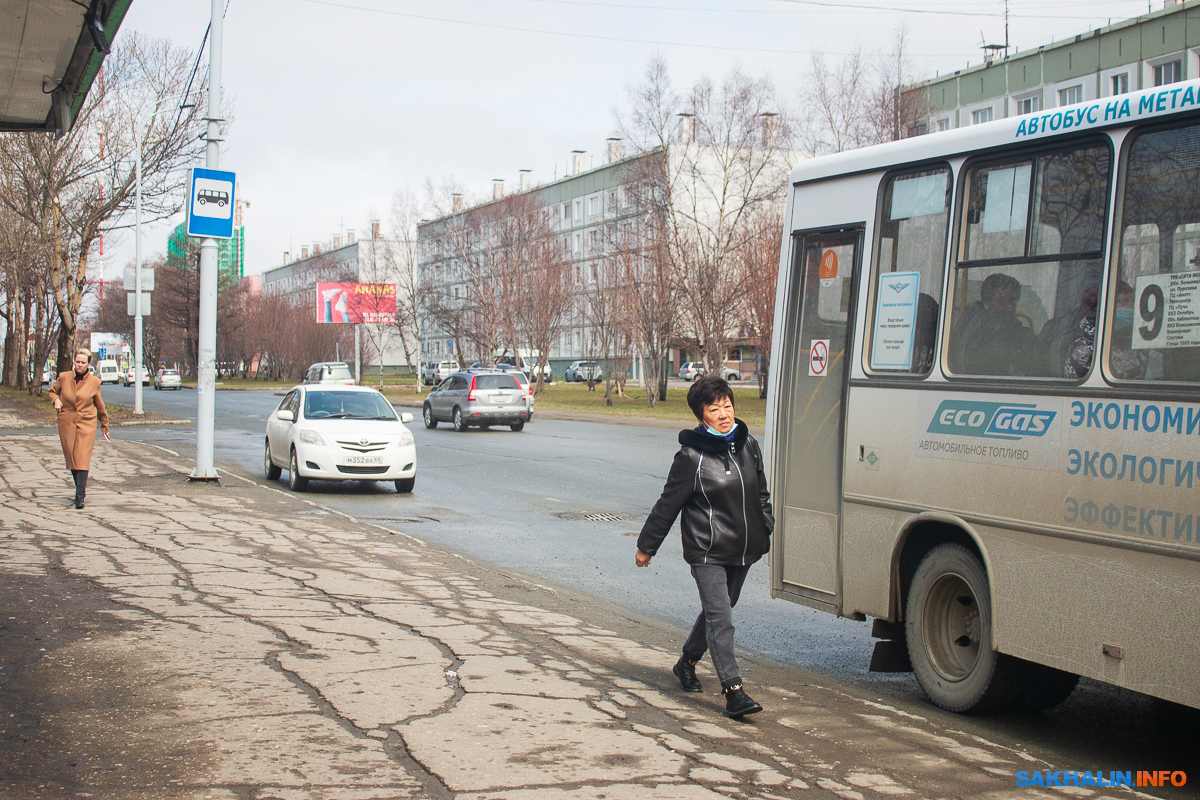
[
  {"x": 168, "y": 379},
  {"x": 109, "y": 371},
  {"x": 329, "y": 372},
  {"x": 130, "y": 377},
  {"x": 694, "y": 369},
  {"x": 482, "y": 398},
  {"x": 335, "y": 432},
  {"x": 581, "y": 370},
  {"x": 437, "y": 371},
  {"x": 48, "y": 376}
]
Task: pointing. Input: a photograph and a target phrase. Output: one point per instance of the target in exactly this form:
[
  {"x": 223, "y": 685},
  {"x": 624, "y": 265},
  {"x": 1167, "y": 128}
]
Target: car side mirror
[
  {"x": 286, "y": 415},
  {"x": 406, "y": 418}
]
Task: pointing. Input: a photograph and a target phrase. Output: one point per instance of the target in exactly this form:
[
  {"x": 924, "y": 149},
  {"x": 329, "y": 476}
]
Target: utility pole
[
  {"x": 138, "y": 367},
  {"x": 207, "y": 355}
]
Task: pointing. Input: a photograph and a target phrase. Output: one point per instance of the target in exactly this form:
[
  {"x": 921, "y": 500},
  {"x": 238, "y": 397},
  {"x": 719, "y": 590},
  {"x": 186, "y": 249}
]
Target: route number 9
[{"x": 1152, "y": 308}]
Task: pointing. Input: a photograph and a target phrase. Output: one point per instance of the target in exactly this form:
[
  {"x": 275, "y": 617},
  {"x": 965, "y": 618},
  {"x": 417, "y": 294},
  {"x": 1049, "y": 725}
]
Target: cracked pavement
[{"x": 235, "y": 641}]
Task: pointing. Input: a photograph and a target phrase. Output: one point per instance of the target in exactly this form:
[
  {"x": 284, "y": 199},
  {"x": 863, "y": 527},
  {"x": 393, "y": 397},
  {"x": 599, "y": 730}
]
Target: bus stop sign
[{"x": 210, "y": 203}]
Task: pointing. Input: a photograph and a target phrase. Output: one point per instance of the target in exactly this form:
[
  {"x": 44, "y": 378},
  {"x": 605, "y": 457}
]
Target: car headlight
[
  {"x": 406, "y": 437},
  {"x": 312, "y": 437}
]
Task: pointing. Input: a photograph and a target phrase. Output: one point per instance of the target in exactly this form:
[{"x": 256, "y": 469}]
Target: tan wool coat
[{"x": 81, "y": 407}]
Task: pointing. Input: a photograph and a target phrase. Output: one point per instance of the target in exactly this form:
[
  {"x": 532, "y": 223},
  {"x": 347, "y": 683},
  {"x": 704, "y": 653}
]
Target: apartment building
[
  {"x": 347, "y": 258},
  {"x": 1154, "y": 49}
]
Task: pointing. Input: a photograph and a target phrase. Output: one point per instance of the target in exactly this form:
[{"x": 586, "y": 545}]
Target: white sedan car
[{"x": 339, "y": 433}]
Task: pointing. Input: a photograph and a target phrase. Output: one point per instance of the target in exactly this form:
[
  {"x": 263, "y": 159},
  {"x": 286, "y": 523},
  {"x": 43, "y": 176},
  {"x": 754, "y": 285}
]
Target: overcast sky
[{"x": 340, "y": 103}]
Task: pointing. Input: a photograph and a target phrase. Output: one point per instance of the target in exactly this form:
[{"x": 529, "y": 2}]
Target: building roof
[{"x": 49, "y": 58}]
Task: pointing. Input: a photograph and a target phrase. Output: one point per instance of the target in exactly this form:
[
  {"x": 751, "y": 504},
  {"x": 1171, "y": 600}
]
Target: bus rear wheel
[{"x": 948, "y": 621}]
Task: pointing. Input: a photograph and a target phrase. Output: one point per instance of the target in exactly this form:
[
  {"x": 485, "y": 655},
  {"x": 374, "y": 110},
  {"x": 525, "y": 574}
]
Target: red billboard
[{"x": 356, "y": 302}]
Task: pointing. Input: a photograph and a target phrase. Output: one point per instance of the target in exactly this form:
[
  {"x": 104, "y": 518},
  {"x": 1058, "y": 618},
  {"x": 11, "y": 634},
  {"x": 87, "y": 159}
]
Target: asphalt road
[{"x": 521, "y": 500}]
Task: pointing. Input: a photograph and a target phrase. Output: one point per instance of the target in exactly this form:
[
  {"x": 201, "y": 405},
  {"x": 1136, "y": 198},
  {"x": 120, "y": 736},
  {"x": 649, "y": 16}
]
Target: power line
[{"x": 567, "y": 34}]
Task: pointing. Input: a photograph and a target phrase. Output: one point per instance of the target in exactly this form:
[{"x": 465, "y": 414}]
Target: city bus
[{"x": 983, "y": 422}]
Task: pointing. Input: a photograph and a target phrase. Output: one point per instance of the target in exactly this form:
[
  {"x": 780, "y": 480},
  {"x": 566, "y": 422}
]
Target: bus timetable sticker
[
  {"x": 1167, "y": 309},
  {"x": 989, "y": 431}
]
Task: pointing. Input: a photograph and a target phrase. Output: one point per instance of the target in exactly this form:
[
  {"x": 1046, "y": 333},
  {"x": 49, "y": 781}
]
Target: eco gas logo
[{"x": 1010, "y": 421}]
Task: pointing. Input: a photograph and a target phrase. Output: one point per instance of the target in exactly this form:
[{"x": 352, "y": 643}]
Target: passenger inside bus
[
  {"x": 1077, "y": 347},
  {"x": 989, "y": 338},
  {"x": 1124, "y": 362}
]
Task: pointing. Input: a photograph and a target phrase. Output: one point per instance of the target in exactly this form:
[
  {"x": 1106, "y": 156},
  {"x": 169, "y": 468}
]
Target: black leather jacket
[{"x": 722, "y": 493}]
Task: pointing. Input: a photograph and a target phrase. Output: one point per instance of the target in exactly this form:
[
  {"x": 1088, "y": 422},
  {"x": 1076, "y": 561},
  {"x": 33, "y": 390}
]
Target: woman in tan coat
[{"x": 76, "y": 396}]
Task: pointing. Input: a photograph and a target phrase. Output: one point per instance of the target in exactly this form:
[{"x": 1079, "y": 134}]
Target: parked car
[
  {"x": 329, "y": 372},
  {"x": 168, "y": 379},
  {"x": 526, "y": 384},
  {"x": 437, "y": 371},
  {"x": 335, "y": 432},
  {"x": 694, "y": 369},
  {"x": 48, "y": 376},
  {"x": 130, "y": 377},
  {"x": 482, "y": 398},
  {"x": 581, "y": 370},
  {"x": 109, "y": 371}
]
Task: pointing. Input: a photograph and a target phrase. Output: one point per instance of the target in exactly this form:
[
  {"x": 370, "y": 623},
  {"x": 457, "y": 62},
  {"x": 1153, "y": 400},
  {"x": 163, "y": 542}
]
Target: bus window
[
  {"x": 910, "y": 257},
  {"x": 1033, "y": 232},
  {"x": 1154, "y": 305}
]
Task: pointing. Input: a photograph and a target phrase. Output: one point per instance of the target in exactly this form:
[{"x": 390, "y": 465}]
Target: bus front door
[{"x": 811, "y": 424}]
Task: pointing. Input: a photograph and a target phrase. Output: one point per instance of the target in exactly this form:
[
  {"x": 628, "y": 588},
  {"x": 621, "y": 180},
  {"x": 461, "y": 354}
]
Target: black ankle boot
[
  {"x": 81, "y": 476},
  {"x": 685, "y": 670},
  {"x": 737, "y": 703}
]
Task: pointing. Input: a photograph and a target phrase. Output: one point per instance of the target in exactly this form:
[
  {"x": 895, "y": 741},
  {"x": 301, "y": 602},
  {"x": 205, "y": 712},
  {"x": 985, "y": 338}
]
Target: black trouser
[
  {"x": 720, "y": 587},
  {"x": 80, "y": 476}
]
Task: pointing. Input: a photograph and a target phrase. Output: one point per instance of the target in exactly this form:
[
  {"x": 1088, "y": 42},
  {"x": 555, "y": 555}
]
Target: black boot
[
  {"x": 737, "y": 703},
  {"x": 80, "y": 486},
  {"x": 685, "y": 670}
]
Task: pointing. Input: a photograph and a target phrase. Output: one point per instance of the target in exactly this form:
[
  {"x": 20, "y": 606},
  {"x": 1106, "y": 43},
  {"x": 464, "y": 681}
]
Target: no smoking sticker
[{"x": 818, "y": 358}]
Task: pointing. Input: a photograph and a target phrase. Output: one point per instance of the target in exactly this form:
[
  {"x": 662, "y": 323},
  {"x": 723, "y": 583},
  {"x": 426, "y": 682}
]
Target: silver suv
[{"x": 483, "y": 398}]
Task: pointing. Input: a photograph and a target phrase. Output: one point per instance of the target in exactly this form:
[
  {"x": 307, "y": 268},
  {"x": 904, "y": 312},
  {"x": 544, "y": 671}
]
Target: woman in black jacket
[{"x": 718, "y": 485}]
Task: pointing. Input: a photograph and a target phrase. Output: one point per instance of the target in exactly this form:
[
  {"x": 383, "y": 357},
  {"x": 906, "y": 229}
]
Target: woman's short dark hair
[{"x": 706, "y": 391}]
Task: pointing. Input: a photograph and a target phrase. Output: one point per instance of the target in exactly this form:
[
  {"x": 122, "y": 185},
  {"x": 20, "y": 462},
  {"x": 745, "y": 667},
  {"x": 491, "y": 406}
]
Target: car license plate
[
  {"x": 502, "y": 399},
  {"x": 364, "y": 459}
]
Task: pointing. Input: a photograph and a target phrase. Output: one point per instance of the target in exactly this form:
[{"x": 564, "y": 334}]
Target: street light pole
[
  {"x": 207, "y": 354},
  {"x": 137, "y": 289}
]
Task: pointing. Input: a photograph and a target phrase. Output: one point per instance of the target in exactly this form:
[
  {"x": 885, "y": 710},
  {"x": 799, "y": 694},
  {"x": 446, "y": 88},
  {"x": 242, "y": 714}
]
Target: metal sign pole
[
  {"x": 137, "y": 289},
  {"x": 207, "y": 355}
]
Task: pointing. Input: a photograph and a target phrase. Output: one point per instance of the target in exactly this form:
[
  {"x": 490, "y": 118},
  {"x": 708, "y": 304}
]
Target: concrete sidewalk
[{"x": 236, "y": 641}]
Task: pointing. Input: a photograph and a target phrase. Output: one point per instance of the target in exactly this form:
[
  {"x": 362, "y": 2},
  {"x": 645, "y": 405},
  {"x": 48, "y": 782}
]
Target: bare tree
[
  {"x": 403, "y": 262},
  {"x": 729, "y": 168},
  {"x": 71, "y": 189},
  {"x": 760, "y": 268},
  {"x": 860, "y": 99}
]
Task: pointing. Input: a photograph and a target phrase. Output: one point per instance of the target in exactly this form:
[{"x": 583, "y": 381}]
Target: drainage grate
[{"x": 604, "y": 516}]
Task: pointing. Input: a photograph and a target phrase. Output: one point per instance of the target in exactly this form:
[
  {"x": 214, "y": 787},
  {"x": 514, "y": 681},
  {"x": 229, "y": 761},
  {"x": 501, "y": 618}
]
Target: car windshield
[
  {"x": 338, "y": 372},
  {"x": 496, "y": 382},
  {"x": 347, "y": 405},
  {"x": 170, "y": 372}
]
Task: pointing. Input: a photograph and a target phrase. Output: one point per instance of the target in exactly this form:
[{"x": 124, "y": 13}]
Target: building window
[
  {"x": 943, "y": 125},
  {"x": 578, "y": 243},
  {"x": 593, "y": 206},
  {"x": 1070, "y": 96},
  {"x": 578, "y": 210},
  {"x": 1120, "y": 83},
  {"x": 1170, "y": 72},
  {"x": 1028, "y": 105},
  {"x": 980, "y": 116}
]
